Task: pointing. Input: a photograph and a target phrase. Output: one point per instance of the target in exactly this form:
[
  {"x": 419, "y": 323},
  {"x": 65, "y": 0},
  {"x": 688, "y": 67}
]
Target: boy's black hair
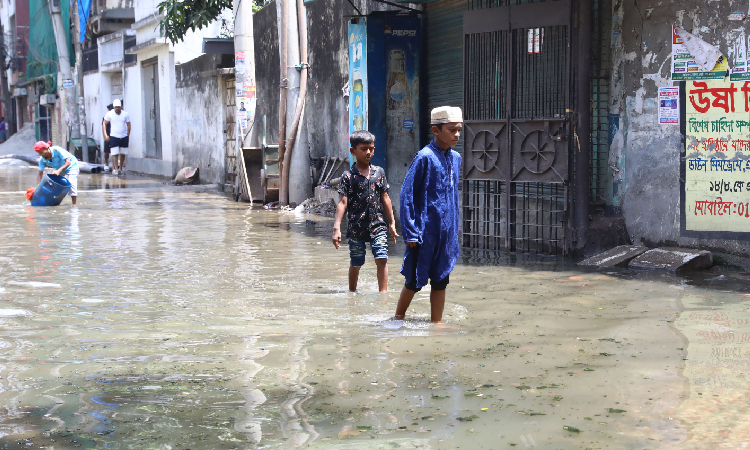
[
  {"x": 438, "y": 125},
  {"x": 361, "y": 137}
]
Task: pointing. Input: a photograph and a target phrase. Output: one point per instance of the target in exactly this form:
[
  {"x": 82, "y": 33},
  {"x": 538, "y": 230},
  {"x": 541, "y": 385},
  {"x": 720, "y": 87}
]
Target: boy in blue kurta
[{"x": 429, "y": 214}]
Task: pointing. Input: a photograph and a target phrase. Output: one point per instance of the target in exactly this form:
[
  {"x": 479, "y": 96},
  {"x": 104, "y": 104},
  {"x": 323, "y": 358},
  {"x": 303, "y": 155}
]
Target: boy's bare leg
[
  {"x": 437, "y": 304},
  {"x": 73, "y": 197},
  {"x": 353, "y": 276},
  {"x": 404, "y": 300},
  {"x": 382, "y": 264}
]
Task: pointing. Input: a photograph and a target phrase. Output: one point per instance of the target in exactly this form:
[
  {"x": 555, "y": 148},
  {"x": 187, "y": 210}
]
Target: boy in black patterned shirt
[{"x": 364, "y": 196}]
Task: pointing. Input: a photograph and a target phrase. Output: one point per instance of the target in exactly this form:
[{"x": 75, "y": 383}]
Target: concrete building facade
[{"x": 140, "y": 66}]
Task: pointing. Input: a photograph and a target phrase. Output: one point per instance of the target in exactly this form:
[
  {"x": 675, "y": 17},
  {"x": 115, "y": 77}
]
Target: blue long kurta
[{"x": 429, "y": 213}]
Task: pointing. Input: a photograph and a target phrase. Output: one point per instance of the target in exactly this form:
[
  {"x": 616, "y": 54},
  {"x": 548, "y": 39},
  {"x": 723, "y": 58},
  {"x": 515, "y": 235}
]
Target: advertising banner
[
  {"x": 684, "y": 66},
  {"x": 740, "y": 69},
  {"x": 669, "y": 105},
  {"x": 717, "y": 156},
  {"x": 393, "y": 45},
  {"x": 357, "y": 76}
]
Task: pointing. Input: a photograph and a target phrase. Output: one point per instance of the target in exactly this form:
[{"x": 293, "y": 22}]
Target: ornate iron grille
[
  {"x": 517, "y": 135},
  {"x": 540, "y": 86},
  {"x": 538, "y": 217},
  {"x": 486, "y": 76},
  {"x": 484, "y": 214}
]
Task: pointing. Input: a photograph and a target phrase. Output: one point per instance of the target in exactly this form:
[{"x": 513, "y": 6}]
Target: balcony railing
[{"x": 91, "y": 59}]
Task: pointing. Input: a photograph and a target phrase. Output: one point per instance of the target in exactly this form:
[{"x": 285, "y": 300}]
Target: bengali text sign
[{"x": 717, "y": 150}]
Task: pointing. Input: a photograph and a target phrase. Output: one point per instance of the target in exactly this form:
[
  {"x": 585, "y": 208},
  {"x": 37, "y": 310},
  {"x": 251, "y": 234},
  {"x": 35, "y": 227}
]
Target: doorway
[
  {"x": 150, "y": 71},
  {"x": 518, "y": 104}
]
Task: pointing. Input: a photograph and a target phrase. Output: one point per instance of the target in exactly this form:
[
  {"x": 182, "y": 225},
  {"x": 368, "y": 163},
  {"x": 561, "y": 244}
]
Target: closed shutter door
[{"x": 445, "y": 50}]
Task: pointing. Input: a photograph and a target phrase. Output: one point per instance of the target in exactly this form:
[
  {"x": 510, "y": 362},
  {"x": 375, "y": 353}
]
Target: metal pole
[
  {"x": 80, "y": 105},
  {"x": 64, "y": 59},
  {"x": 583, "y": 126}
]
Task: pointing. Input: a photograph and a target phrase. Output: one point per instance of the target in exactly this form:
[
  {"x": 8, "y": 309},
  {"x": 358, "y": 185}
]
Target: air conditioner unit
[
  {"x": 19, "y": 91},
  {"x": 47, "y": 99}
]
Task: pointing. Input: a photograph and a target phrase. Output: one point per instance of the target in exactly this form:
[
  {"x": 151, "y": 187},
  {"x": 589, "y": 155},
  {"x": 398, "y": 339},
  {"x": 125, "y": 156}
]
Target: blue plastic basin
[{"x": 51, "y": 191}]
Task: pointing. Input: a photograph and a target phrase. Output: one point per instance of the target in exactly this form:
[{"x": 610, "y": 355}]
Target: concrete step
[
  {"x": 674, "y": 259},
  {"x": 617, "y": 257}
]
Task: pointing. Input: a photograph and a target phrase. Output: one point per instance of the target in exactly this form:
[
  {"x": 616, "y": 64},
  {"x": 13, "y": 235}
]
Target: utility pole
[
  {"x": 80, "y": 104},
  {"x": 244, "y": 74},
  {"x": 64, "y": 58},
  {"x": 5, "y": 88},
  {"x": 288, "y": 27}
]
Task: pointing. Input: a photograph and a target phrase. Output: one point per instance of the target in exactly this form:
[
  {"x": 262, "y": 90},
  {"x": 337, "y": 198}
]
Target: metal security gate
[
  {"x": 518, "y": 103},
  {"x": 230, "y": 132}
]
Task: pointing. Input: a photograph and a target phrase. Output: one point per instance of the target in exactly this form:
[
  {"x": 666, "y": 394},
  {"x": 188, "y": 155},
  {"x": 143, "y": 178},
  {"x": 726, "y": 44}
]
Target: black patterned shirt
[{"x": 364, "y": 209}]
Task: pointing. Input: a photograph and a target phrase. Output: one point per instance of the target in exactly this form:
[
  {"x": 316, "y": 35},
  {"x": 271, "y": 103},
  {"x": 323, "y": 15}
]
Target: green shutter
[{"x": 445, "y": 54}]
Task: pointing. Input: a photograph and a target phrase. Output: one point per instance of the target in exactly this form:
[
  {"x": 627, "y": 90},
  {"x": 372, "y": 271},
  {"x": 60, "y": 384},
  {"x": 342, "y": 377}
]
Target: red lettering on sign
[{"x": 723, "y": 97}]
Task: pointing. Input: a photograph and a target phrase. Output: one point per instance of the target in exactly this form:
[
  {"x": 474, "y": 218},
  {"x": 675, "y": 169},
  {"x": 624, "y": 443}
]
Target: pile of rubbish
[{"x": 312, "y": 206}]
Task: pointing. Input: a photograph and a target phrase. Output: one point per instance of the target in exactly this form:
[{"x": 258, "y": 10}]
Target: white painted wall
[
  {"x": 95, "y": 107},
  {"x": 131, "y": 81},
  {"x": 166, "y": 100},
  {"x": 144, "y": 8}
]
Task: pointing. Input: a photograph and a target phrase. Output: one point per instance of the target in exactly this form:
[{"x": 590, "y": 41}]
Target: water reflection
[{"x": 153, "y": 316}]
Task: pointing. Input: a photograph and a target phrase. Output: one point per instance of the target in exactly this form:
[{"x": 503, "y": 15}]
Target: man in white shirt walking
[{"x": 119, "y": 136}]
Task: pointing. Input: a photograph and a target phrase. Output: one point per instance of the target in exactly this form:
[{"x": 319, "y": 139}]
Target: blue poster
[
  {"x": 357, "y": 77},
  {"x": 393, "y": 52}
]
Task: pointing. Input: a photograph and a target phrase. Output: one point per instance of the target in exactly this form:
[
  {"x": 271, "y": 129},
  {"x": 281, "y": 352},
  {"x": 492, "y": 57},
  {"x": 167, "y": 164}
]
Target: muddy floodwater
[{"x": 162, "y": 317}]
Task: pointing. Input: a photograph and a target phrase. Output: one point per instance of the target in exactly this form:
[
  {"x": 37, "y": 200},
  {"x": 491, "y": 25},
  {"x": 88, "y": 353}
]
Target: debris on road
[{"x": 312, "y": 206}]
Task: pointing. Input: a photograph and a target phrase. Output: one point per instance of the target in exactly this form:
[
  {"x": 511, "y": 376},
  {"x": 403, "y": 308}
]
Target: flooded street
[{"x": 163, "y": 317}]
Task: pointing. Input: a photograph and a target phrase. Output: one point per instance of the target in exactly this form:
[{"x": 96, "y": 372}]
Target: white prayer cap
[
  {"x": 446, "y": 114},
  {"x": 116, "y": 103}
]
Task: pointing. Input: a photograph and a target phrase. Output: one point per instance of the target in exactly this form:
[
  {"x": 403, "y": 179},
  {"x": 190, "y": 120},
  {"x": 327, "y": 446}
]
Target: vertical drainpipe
[
  {"x": 283, "y": 18},
  {"x": 583, "y": 126}
]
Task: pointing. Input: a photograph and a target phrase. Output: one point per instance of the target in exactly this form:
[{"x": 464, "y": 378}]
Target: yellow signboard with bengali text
[{"x": 717, "y": 156}]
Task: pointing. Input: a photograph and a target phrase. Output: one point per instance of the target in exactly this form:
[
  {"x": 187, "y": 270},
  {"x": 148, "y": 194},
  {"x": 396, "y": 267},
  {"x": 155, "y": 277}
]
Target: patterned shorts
[{"x": 358, "y": 249}]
